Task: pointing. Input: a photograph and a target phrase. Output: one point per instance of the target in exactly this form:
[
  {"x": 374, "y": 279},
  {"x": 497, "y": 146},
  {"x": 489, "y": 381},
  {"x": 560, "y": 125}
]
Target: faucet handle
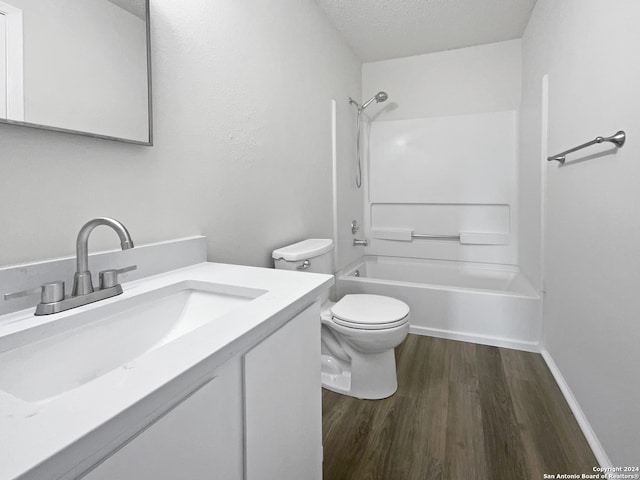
[
  {"x": 109, "y": 278},
  {"x": 49, "y": 292},
  {"x": 130, "y": 268}
]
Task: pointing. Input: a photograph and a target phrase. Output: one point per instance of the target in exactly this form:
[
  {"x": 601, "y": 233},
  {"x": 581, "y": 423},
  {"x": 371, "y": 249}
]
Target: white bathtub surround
[
  {"x": 480, "y": 303},
  {"x": 444, "y": 176},
  {"x": 62, "y": 431},
  {"x": 151, "y": 259},
  {"x": 442, "y": 154},
  {"x": 592, "y": 232}
]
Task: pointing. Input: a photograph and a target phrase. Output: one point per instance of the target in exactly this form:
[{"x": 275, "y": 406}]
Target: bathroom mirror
[{"x": 77, "y": 66}]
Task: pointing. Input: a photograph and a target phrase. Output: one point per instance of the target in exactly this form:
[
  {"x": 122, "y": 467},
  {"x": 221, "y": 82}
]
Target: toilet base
[
  {"x": 367, "y": 377},
  {"x": 335, "y": 377}
]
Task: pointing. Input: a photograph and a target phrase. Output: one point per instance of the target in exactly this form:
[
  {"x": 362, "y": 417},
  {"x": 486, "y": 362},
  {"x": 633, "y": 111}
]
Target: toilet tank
[{"x": 314, "y": 255}]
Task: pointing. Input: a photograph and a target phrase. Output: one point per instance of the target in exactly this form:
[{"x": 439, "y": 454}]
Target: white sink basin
[{"x": 62, "y": 355}]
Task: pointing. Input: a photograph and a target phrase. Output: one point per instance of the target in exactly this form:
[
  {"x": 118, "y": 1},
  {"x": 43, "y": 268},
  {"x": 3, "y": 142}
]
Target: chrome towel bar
[
  {"x": 435, "y": 237},
  {"x": 617, "y": 139}
]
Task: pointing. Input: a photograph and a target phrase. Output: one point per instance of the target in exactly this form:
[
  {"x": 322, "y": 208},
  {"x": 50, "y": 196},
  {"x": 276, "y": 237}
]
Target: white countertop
[{"x": 64, "y": 436}]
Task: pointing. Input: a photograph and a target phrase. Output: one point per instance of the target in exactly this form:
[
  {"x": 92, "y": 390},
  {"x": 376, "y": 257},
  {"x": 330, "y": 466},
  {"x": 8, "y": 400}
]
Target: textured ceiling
[{"x": 384, "y": 29}]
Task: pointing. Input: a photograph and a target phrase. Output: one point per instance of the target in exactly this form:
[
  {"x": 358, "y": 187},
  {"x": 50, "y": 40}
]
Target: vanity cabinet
[
  {"x": 283, "y": 402},
  {"x": 201, "y": 438},
  {"x": 260, "y": 418}
]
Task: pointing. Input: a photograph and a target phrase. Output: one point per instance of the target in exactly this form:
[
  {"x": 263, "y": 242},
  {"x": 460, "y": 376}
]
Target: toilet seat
[{"x": 370, "y": 312}]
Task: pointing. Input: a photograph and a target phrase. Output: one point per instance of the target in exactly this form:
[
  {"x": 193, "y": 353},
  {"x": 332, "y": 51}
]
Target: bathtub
[{"x": 480, "y": 303}]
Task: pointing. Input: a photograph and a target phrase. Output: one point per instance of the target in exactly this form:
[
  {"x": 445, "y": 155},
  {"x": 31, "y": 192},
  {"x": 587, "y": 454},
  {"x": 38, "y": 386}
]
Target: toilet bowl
[{"x": 359, "y": 332}]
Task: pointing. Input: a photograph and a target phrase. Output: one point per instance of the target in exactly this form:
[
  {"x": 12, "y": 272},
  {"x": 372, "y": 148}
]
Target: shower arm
[
  {"x": 378, "y": 98},
  {"x": 367, "y": 103}
]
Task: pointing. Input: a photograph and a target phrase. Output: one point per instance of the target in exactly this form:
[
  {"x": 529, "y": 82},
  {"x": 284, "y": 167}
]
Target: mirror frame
[{"x": 148, "y": 143}]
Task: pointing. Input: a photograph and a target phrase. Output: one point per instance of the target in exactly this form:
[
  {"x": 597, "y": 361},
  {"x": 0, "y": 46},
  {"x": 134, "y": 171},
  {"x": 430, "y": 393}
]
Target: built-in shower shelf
[
  {"x": 464, "y": 238},
  {"x": 473, "y": 238}
]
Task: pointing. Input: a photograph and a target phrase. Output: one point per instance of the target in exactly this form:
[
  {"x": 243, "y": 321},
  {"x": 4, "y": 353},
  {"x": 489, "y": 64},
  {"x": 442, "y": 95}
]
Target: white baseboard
[
  {"x": 584, "y": 424},
  {"x": 481, "y": 339}
]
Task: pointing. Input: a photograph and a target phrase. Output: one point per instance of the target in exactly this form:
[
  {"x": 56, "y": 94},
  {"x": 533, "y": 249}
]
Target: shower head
[
  {"x": 378, "y": 97},
  {"x": 381, "y": 96}
]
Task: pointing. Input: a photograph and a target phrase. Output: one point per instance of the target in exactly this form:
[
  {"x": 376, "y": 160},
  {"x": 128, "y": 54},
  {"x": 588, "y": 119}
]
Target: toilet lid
[{"x": 369, "y": 311}]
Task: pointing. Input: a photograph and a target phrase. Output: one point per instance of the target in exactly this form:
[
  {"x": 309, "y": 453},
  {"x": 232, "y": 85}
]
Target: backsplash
[{"x": 151, "y": 259}]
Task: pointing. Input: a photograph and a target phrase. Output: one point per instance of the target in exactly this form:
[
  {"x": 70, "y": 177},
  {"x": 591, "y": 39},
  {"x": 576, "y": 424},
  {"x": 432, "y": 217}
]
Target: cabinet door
[
  {"x": 200, "y": 439},
  {"x": 283, "y": 402}
]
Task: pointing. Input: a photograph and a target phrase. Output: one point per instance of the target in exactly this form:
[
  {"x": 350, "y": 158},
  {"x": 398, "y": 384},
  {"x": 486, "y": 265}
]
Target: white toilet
[{"x": 359, "y": 332}]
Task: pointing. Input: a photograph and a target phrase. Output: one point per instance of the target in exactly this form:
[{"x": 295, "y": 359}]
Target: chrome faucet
[
  {"x": 82, "y": 284},
  {"x": 52, "y": 297}
]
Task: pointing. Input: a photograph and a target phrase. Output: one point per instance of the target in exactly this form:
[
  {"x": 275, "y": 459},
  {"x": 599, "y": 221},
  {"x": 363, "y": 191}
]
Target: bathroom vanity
[{"x": 209, "y": 371}]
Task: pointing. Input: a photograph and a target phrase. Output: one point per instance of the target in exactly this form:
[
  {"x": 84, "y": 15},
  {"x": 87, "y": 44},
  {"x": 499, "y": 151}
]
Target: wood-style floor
[{"x": 462, "y": 411}]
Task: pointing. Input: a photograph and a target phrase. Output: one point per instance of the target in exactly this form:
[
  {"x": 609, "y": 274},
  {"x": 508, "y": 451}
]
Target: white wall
[
  {"x": 591, "y": 261},
  {"x": 486, "y": 78},
  {"x": 3, "y": 67},
  {"x": 242, "y": 149},
  {"x": 85, "y": 67},
  {"x": 443, "y": 151}
]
